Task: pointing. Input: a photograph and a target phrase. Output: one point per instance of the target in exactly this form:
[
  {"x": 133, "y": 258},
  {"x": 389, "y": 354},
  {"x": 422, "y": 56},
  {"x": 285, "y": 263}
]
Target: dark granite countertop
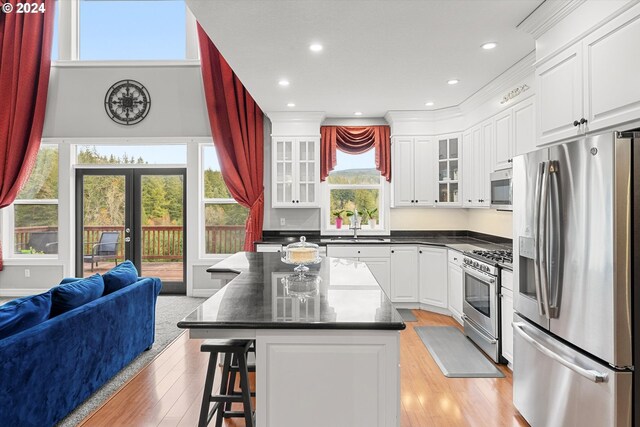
[
  {"x": 347, "y": 297},
  {"x": 461, "y": 241}
]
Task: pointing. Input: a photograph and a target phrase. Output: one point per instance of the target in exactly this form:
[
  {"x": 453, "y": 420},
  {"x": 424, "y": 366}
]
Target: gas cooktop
[{"x": 503, "y": 256}]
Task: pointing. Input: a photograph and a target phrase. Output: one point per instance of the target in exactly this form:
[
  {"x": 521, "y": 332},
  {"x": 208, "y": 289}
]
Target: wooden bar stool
[{"x": 235, "y": 358}]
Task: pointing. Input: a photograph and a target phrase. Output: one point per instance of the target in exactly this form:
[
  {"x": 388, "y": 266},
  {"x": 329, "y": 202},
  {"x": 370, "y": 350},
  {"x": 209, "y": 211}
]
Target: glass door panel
[
  {"x": 161, "y": 219},
  {"x": 104, "y": 235}
]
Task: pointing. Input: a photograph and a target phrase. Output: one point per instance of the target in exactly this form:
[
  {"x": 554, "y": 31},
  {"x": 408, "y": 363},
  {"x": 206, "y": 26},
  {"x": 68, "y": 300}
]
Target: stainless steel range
[{"x": 481, "y": 305}]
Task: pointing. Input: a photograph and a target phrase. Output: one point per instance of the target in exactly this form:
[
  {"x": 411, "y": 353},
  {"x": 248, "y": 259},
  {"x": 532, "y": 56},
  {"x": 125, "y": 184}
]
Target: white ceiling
[{"x": 379, "y": 55}]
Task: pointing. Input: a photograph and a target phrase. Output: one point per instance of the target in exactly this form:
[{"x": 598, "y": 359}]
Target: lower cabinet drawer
[
  {"x": 455, "y": 257},
  {"x": 350, "y": 251}
]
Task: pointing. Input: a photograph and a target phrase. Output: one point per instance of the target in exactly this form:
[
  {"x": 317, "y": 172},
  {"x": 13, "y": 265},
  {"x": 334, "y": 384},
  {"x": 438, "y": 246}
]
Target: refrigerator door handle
[
  {"x": 536, "y": 232},
  {"x": 590, "y": 374},
  {"x": 543, "y": 222}
]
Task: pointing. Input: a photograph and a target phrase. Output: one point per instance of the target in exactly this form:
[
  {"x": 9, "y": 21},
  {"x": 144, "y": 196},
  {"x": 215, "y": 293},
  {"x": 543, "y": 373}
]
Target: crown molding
[
  {"x": 548, "y": 14},
  {"x": 296, "y": 116},
  {"x": 502, "y": 84}
]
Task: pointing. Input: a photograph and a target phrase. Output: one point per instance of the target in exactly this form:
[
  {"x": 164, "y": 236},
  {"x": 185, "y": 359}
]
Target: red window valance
[{"x": 355, "y": 140}]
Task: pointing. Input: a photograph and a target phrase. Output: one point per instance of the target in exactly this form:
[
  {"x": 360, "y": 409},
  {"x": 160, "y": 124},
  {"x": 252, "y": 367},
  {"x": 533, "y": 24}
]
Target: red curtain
[
  {"x": 355, "y": 140},
  {"x": 237, "y": 129},
  {"x": 25, "y": 60}
]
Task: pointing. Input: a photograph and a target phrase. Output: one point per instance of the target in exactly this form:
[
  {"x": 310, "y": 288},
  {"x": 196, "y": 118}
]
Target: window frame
[
  {"x": 9, "y": 227},
  {"x": 384, "y": 212},
  {"x": 204, "y": 201},
  {"x": 69, "y": 40}
]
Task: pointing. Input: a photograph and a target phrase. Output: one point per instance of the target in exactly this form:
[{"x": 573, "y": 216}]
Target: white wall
[{"x": 75, "y": 105}]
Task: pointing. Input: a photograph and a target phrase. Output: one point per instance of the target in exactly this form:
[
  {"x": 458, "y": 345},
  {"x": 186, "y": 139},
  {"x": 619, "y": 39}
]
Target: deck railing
[{"x": 159, "y": 242}]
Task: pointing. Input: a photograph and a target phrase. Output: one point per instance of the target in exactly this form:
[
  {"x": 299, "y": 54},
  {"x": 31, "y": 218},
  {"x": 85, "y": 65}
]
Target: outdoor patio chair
[
  {"x": 105, "y": 249},
  {"x": 40, "y": 242}
]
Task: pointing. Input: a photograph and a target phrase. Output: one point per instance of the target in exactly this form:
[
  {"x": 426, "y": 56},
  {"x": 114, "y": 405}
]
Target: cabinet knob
[
  {"x": 576, "y": 123},
  {"x": 416, "y": 201},
  {"x": 436, "y": 201},
  {"x": 583, "y": 121},
  {"x": 393, "y": 252},
  {"x": 419, "y": 251},
  {"x": 358, "y": 251},
  {"x": 510, "y": 160}
]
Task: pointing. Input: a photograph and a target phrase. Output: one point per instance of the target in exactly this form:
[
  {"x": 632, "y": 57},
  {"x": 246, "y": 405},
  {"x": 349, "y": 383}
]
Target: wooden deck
[
  {"x": 166, "y": 271},
  {"x": 169, "y": 390}
]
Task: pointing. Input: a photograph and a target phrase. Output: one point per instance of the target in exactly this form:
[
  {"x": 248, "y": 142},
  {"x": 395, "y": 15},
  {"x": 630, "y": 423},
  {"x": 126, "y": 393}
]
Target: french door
[{"x": 136, "y": 214}]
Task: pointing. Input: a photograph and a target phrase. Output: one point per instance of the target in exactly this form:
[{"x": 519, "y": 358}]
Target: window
[
  {"x": 35, "y": 210},
  {"x": 132, "y": 154},
  {"x": 132, "y": 30},
  {"x": 224, "y": 218},
  {"x": 355, "y": 184}
]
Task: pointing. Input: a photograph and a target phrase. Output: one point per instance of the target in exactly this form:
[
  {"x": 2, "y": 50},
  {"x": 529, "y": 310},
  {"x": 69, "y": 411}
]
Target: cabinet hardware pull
[
  {"x": 575, "y": 123},
  {"x": 583, "y": 121}
]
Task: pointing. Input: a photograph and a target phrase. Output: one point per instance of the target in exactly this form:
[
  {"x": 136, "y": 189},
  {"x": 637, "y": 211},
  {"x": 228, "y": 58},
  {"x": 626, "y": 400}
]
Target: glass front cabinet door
[
  {"x": 295, "y": 172},
  {"x": 449, "y": 171}
]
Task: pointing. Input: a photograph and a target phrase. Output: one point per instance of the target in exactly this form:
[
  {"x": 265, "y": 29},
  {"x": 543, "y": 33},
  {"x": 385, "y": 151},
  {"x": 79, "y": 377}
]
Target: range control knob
[{"x": 475, "y": 264}]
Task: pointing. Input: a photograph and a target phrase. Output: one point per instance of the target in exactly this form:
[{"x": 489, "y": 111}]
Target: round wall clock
[{"x": 127, "y": 102}]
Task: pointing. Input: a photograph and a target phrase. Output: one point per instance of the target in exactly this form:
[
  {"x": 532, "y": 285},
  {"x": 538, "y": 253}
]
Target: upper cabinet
[
  {"x": 559, "y": 83},
  {"x": 592, "y": 85},
  {"x": 524, "y": 127},
  {"x": 503, "y": 141},
  {"x": 295, "y": 172},
  {"x": 414, "y": 172},
  {"x": 449, "y": 170},
  {"x": 477, "y": 165}
]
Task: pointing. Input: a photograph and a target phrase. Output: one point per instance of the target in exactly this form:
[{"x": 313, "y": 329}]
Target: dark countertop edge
[
  {"x": 213, "y": 269},
  {"x": 318, "y": 325}
]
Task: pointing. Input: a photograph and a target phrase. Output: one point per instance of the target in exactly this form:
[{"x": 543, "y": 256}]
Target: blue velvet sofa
[{"x": 49, "y": 369}]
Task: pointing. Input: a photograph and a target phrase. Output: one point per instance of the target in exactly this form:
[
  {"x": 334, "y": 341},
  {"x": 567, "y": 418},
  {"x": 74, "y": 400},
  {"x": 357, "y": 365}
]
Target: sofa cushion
[
  {"x": 74, "y": 294},
  {"x": 124, "y": 274},
  {"x": 23, "y": 313}
]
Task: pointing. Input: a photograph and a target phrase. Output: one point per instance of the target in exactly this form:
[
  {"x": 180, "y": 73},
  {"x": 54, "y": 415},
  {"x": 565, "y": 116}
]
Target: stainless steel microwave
[{"x": 501, "y": 191}]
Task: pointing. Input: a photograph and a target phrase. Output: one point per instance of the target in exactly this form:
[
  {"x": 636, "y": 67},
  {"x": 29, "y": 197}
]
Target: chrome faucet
[{"x": 355, "y": 223}]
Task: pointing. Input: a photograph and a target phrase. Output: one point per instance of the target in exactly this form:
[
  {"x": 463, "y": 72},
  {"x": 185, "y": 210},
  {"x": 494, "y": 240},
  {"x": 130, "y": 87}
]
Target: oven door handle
[
  {"x": 478, "y": 330},
  {"x": 485, "y": 278},
  {"x": 590, "y": 374}
]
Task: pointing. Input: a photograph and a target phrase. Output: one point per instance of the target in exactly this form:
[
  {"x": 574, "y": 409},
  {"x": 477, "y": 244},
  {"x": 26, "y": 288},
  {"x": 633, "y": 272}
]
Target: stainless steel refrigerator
[{"x": 574, "y": 256}]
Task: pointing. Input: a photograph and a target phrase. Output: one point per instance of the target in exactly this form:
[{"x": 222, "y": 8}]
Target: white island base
[{"x": 323, "y": 377}]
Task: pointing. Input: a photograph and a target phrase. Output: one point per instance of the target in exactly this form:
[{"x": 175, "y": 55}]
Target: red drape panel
[
  {"x": 355, "y": 140},
  {"x": 237, "y": 129},
  {"x": 25, "y": 60}
]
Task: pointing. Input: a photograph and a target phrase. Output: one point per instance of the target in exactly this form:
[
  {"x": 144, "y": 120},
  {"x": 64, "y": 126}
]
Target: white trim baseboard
[{"x": 21, "y": 292}]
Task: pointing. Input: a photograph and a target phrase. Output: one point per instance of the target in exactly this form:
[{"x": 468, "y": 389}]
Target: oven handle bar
[
  {"x": 479, "y": 330},
  {"x": 590, "y": 374},
  {"x": 479, "y": 275}
]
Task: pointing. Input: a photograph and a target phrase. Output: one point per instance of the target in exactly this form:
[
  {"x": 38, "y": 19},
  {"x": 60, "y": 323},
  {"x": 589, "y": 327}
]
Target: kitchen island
[{"x": 327, "y": 350}]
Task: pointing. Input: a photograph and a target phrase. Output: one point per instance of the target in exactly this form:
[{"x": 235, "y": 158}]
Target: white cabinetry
[
  {"x": 454, "y": 278},
  {"x": 524, "y": 127},
  {"x": 432, "y": 264},
  {"x": 404, "y": 271},
  {"x": 413, "y": 171},
  {"x": 506, "y": 295},
  {"x": 449, "y": 170},
  {"x": 559, "y": 83},
  {"x": 503, "y": 141},
  {"x": 268, "y": 247},
  {"x": 376, "y": 257},
  {"x": 611, "y": 65},
  {"x": 477, "y": 165},
  {"x": 295, "y": 172},
  {"x": 592, "y": 84}
]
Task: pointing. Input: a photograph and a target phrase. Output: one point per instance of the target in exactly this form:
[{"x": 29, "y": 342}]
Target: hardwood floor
[{"x": 168, "y": 391}]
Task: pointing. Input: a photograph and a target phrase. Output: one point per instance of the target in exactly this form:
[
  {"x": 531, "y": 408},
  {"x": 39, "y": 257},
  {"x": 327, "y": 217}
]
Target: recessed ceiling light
[
  {"x": 315, "y": 47},
  {"x": 489, "y": 45},
  {"x": 291, "y": 104},
  {"x": 429, "y": 104},
  {"x": 283, "y": 82},
  {"x": 453, "y": 82},
  {"x": 357, "y": 113}
]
